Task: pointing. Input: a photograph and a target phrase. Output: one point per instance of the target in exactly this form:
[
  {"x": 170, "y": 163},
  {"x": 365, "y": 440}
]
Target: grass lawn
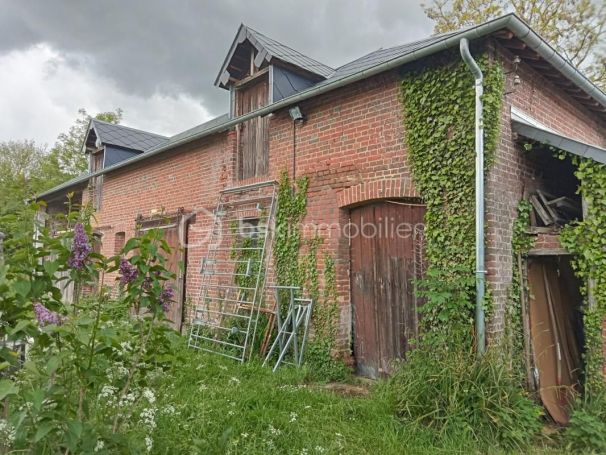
[{"x": 224, "y": 407}]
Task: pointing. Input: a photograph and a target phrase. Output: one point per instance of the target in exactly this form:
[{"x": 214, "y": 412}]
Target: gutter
[
  {"x": 509, "y": 21},
  {"x": 479, "y": 146}
]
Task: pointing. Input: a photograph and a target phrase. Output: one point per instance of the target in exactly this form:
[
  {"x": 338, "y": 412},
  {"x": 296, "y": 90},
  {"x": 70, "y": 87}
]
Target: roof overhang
[
  {"x": 526, "y": 126},
  {"x": 510, "y": 21}
]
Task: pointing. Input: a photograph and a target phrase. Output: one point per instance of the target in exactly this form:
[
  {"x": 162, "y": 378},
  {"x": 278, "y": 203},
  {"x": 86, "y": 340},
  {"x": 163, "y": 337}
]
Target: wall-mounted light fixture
[{"x": 295, "y": 114}]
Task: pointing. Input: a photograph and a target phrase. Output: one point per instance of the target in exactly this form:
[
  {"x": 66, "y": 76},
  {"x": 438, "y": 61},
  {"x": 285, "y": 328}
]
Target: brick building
[{"x": 351, "y": 143}]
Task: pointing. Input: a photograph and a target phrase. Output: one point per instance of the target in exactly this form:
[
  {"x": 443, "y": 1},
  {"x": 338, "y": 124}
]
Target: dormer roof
[{"x": 266, "y": 50}]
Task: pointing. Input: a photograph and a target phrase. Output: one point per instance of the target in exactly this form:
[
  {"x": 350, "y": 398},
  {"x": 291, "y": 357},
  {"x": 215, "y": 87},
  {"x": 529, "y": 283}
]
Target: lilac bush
[
  {"x": 46, "y": 316},
  {"x": 81, "y": 248},
  {"x": 128, "y": 272}
]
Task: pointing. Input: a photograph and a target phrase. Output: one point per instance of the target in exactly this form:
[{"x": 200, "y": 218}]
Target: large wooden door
[
  {"x": 174, "y": 229},
  {"x": 386, "y": 256}
]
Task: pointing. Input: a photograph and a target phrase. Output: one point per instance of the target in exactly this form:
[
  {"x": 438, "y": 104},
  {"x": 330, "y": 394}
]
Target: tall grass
[{"x": 452, "y": 392}]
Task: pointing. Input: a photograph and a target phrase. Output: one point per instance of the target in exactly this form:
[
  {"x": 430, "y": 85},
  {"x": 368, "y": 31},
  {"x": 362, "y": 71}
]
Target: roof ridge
[
  {"x": 287, "y": 46},
  {"x": 128, "y": 128}
]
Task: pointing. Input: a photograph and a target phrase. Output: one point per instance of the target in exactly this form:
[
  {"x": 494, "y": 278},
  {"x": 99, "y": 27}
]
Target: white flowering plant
[{"x": 91, "y": 358}]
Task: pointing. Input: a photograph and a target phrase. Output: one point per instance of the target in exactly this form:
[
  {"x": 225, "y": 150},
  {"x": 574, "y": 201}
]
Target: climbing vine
[
  {"x": 295, "y": 267},
  {"x": 521, "y": 243},
  {"x": 439, "y": 119},
  {"x": 587, "y": 239}
]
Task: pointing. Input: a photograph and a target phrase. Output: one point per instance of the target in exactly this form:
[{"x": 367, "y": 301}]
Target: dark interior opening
[{"x": 553, "y": 192}]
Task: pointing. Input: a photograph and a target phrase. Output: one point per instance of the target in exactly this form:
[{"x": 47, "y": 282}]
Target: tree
[
  {"x": 576, "y": 28},
  {"x": 20, "y": 173},
  {"x": 27, "y": 169},
  {"x": 66, "y": 159}
]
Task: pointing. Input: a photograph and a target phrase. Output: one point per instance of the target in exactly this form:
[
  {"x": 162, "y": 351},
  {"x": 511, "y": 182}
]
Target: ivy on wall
[
  {"x": 439, "y": 109},
  {"x": 521, "y": 243},
  {"x": 587, "y": 240},
  {"x": 295, "y": 268}
]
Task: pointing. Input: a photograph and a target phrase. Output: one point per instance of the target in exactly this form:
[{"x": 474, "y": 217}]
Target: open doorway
[{"x": 556, "y": 332}]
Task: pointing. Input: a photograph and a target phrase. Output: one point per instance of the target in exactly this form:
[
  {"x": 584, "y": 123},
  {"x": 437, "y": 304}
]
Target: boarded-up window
[
  {"x": 97, "y": 182},
  {"x": 253, "y": 144}
]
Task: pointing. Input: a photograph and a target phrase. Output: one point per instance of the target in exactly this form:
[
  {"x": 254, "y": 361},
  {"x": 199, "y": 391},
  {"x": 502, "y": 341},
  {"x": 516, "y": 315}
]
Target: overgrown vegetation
[
  {"x": 456, "y": 394},
  {"x": 91, "y": 360},
  {"x": 296, "y": 263},
  {"x": 439, "y": 118}
]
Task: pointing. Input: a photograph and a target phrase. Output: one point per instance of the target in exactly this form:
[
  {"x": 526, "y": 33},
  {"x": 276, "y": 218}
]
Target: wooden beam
[
  {"x": 514, "y": 44},
  {"x": 504, "y": 34}
]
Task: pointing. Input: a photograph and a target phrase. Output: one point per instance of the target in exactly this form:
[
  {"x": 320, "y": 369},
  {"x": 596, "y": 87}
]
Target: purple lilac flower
[
  {"x": 147, "y": 283},
  {"x": 46, "y": 316},
  {"x": 166, "y": 297},
  {"x": 128, "y": 272},
  {"x": 80, "y": 248}
]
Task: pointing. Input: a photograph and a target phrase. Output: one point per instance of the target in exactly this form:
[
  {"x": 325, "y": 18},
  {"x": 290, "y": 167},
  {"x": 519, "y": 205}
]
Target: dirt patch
[{"x": 347, "y": 390}]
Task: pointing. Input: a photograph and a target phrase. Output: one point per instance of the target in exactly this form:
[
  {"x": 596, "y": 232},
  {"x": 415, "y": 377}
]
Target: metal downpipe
[{"x": 479, "y": 147}]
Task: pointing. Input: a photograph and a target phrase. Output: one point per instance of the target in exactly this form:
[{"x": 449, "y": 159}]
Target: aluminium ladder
[{"x": 234, "y": 270}]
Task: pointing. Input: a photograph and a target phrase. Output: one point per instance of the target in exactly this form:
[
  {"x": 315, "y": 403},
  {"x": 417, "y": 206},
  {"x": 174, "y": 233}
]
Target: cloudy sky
[{"x": 157, "y": 60}]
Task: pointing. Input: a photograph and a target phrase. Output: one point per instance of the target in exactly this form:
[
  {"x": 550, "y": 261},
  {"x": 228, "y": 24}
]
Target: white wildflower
[
  {"x": 293, "y": 417},
  {"x": 148, "y": 418},
  {"x": 203, "y": 387},
  {"x": 304, "y": 452},
  {"x": 244, "y": 435},
  {"x": 234, "y": 380},
  {"x": 320, "y": 449},
  {"x": 148, "y": 394},
  {"x": 231, "y": 413},
  {"x": 7, "y": 432},
  {"x": 107, "y": 393},
  {"x": 99, "y": 446},
  {"x": 169, "y": 409},
  {"x": 149, "y": 443},
  {"x": 274, "y": 431},
  {"x": 128, "y": 399}
]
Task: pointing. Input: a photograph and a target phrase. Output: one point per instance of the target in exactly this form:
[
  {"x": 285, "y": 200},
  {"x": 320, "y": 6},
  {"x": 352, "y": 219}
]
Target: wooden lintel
[
  {"x": 504, "y": 34},
  {"x": 549, "y": 252},
  {"x": 530, "y": 55},
  {"x": 515, "y": 44}
]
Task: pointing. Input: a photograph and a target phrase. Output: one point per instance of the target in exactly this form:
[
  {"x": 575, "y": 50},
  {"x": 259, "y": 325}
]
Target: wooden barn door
[
  {"x": 386, "y": 256},
  {"x": 174, "y": 229}
]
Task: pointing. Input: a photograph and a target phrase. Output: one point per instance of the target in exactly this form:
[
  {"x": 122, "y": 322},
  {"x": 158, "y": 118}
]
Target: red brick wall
[
  {"x": 351, "y": 146},
  {"x": 513, "y": 172}
]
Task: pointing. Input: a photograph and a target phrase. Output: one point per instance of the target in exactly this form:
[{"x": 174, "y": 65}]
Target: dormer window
[{"x": 259, "y": 71}]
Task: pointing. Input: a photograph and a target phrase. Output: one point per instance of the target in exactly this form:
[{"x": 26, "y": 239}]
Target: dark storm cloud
[{"x": 176, "y": 47}]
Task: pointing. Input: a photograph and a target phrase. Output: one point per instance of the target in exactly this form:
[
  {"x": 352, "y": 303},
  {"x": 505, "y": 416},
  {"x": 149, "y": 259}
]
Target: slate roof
[
  {"x": 123, "y": 136},
  {"x": 383, "y": 55},
  {"x": 289, "y": 55},
  {"x": 268, "y": 48},
  {"x": 199, "y": 129}
]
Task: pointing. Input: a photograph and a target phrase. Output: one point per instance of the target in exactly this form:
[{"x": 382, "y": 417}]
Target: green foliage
[
  {"x": 587, "y": 240},
  {"x": 454, "y": 393},
  {"x": 577, "y": 29},
  {"x": 521, "y": 243},
  {"x": 293, "y": 267},
  {"x": 439, "y": 117},
  {"x": 66, "y": 159},
  {"x": 587, "y": 430},
  {"x": 292, "y": 207},
  {"x": 27, "y": 169},
  {"x": 449, "y": 303},
  {"x": 209, "y": 405},
  {"x": 57, "y": 401}
]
